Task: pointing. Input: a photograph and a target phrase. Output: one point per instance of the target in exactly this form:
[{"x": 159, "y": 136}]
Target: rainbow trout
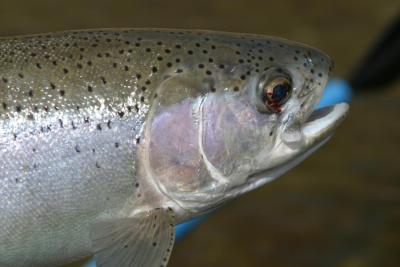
[{"x": 109, "y": 138}]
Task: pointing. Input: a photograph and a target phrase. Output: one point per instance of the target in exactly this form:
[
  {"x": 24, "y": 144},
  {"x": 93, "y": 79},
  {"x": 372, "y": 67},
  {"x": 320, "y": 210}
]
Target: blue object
[
  {"x": 336, "y": 91},
  {"x": 185, "y": 227}
]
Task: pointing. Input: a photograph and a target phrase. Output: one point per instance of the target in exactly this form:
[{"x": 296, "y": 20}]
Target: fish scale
[{"x": 78, "y": 114}]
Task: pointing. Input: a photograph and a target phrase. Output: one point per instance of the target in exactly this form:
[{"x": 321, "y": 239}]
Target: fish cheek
[
  {"x": 234, "y": 134},
  {"x": 174, "y": 155}
]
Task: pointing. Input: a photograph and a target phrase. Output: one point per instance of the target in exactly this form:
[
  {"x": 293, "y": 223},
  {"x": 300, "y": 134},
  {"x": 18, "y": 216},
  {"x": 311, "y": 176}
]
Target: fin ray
[{"x": 143, "y": 240}]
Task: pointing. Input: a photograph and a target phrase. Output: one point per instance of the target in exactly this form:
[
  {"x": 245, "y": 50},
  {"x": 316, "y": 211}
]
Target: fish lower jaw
[
  {"x": 262, "y": 177},
  {"x": 322, "y": 122}
]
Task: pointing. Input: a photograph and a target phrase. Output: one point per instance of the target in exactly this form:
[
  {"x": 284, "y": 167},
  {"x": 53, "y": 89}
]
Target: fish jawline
[
  {"x": 317, "y": 130},
  {"x": 262, "y": 177}
]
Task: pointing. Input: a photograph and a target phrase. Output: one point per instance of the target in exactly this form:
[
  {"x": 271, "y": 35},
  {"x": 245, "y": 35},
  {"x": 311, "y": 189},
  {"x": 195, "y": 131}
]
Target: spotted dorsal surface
[{"x": 78, "y": 72}]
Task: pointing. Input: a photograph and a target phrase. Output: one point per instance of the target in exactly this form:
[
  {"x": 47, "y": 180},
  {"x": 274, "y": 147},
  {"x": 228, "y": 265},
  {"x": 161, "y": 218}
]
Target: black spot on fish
[{"x": 30, "y": 117}]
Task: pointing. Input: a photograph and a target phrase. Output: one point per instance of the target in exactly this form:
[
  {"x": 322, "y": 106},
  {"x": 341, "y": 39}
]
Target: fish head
[{"x": 210, "y": 138}]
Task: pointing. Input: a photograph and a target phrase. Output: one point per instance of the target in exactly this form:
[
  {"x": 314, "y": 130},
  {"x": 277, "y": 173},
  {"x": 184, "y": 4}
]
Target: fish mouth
[
  {"x": 323, "y": 121},
  {"x": 317, "y": 130}
]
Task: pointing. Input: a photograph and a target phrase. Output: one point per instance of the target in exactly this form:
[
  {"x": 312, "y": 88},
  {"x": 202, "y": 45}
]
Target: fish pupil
[{"x": 280, "y": 92}]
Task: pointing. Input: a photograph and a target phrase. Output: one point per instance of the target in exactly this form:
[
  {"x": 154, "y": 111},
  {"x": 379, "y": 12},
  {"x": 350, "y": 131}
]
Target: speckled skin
[{"x": 73, "y": 106}]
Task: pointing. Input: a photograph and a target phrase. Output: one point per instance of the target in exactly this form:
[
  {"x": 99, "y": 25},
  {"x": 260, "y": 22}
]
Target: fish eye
[{"x": 275, "y": 92}]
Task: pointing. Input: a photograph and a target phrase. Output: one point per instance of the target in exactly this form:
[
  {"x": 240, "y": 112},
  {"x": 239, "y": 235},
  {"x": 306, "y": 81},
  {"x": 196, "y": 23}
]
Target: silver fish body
[{"x": 115, "y": 125}]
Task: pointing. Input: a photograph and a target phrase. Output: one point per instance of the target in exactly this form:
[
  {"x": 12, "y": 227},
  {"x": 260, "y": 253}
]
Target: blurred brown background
[{"x": 341, "y": 207}]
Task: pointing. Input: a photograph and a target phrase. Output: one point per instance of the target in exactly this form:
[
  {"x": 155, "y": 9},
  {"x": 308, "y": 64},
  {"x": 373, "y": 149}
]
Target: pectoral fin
[{"x": 145, "y": 240}]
